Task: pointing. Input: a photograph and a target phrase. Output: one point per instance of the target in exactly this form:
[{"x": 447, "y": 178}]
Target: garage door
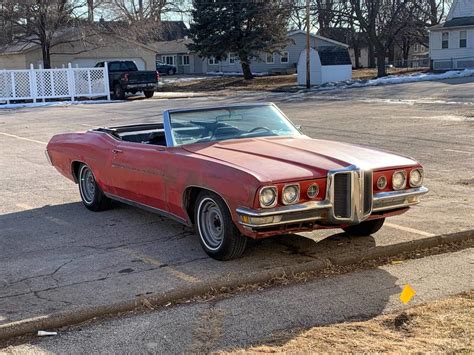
[{"x": 91, "y": 62}]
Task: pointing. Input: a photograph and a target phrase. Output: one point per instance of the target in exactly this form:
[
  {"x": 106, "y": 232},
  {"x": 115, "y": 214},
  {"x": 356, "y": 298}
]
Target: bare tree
[{"x": 41, "y": 22}]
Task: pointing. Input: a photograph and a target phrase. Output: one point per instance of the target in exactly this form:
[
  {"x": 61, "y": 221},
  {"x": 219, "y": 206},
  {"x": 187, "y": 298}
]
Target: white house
[
  {"x": 285, "y": 61},
  {"x": 452, "y": 42}
]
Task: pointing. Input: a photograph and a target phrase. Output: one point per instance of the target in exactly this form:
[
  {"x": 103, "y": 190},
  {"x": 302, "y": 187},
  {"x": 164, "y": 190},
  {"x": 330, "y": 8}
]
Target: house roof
[
  {"x": 334, "y": 56},
  {"x": 456, "y": 22},
  {"x": 66, "y": 35},
  {"x": 294, "y": 32},
  {"x": 172, "y": 47}
]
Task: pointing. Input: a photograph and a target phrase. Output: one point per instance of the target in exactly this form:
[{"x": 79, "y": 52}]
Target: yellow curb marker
[{"x": 407, "y": 294}]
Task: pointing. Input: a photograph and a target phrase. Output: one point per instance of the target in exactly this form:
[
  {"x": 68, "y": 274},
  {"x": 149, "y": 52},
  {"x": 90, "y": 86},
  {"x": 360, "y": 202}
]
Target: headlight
[
  {"x": 313, "y": 190},
  {"x": 416, "y": 177},
  {"x": 399, "y": 180},
  {"x": 290, "y": 194},
  {"x": 268, "y": 197},
  {"x": 382, "y": 182}
]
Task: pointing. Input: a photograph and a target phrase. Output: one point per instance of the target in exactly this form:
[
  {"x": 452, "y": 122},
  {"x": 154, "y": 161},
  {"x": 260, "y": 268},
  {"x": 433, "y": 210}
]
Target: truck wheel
[
  {"x": 171, "y": 71},
  {"x": 119, "y": 94},
  {"x": 149, "y": 93},
  {"x": 218, "y": 235},
  {"x": 365, "y": 228},
  {"x": 91, "y": 194}
]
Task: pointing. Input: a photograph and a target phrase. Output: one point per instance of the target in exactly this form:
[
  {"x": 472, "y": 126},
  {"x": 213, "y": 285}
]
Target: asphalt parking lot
[{"x": 55, "y": 255}]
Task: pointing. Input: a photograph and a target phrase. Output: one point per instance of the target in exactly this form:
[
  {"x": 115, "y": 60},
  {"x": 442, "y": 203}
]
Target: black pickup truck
[{"x": 124, "y": 77}]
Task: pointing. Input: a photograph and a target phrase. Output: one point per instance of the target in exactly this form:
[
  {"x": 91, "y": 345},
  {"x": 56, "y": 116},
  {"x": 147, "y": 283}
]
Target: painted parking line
[
  {"x": 408, "y": 229},
  {"x": 155, "y": 262},
  {"x": 22, "y": 138}
]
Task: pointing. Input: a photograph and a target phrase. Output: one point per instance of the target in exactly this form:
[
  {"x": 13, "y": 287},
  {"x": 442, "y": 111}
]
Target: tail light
[
  {"x": 157, "y": 75},
  {"x": 125, "y": 77}
]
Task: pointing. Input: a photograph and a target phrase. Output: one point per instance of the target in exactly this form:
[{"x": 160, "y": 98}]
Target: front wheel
[
  {"x": 91, "y": 194},
  {"x": 149, "y": 93},
  {"x": 218, "y": 235},
  {"x": 365, "y": 228}
]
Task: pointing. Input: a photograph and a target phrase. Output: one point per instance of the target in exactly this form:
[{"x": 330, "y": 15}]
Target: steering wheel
[{"x": 260, "y": 128}]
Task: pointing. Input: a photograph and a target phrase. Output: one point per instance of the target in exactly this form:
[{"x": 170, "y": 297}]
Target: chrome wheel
[
  {"x": 210, "y": 223},
  {"x": 87, "y": 185}
]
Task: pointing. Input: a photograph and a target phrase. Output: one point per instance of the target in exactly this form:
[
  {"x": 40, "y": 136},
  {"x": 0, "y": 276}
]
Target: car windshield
[{"x": 210, "y": 125}]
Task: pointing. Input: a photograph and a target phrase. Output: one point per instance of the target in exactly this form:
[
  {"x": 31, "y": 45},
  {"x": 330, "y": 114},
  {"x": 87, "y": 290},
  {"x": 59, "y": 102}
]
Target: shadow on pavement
[{"x": 59, "y": 257}]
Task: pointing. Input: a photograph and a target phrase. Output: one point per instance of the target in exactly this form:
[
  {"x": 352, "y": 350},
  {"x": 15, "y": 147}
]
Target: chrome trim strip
[
  {"x": 383, "y": 197},
  {"x": 167, "y": 127},
  {"x": 303, "y": 207},
  {"x": 257, "y": 226},
  {"x": 147, "y": 208}
]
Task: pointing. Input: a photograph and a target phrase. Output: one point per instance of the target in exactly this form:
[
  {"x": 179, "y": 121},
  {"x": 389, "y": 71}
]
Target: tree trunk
[
  {"x": 356, "y": 56},
  {"x": 371, "y": 56},
  {"x": 46, "y": 56},
  {"x": 246, "y": 70},
  {"x": 381, "y": 63}
]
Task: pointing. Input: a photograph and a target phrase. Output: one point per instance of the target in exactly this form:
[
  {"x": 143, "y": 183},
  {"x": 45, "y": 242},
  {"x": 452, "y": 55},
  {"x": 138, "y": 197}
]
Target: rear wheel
[
  {"x": 119, "y": 94},
  {"x": 91, "y": 194},
  {"x": 365, "y": 228},
  {"x": 218, "y": 235},
  {"x": 149, "y": 93}
]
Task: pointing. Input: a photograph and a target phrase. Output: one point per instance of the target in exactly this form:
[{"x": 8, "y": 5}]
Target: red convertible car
[{"x": 236, "y": 172}]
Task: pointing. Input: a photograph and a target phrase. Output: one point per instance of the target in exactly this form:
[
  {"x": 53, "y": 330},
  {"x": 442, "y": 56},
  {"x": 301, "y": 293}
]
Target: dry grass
[
  {"x": 266, "y": 83},
  {"x": 443, "y": 326}
]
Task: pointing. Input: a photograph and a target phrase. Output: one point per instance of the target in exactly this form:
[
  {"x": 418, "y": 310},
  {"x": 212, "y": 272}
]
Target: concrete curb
[{"x": 82, "y": 314}]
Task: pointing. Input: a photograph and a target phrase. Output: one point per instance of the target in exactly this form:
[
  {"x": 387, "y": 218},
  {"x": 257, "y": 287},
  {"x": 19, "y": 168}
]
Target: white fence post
[
  {"x": 12, "y": 78},
  {"x": 33, "y": 87},
  {"x": 106, "y": 80},
  {"x": 71, "y": 82}
]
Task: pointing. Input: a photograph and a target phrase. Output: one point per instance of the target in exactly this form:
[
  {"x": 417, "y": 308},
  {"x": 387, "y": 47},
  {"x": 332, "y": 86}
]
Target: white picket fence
[{"x": 41, "y": 84}]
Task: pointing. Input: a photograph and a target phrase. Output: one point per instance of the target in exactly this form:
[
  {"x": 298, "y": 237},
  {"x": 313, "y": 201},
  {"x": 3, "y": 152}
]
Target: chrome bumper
[{"x": 322, "y": 210}]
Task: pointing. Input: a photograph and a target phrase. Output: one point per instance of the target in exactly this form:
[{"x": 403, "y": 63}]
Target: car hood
[{"x": 294, "y": 158}]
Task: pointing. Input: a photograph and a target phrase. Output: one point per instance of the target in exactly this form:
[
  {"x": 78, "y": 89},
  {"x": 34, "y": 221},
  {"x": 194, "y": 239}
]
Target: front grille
[
  {"x": 367, "y": 192},
  {"x": 342, "y": 195}
]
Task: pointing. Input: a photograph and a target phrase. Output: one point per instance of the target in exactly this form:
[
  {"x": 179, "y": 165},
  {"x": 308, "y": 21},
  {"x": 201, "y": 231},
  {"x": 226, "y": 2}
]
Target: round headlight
[
  {"x": 268, "y": 197},
  {"x": 382, "y": 182},
  {"x": 416, "y": 177},
  {"x": 313, "y": 190},
  {"x": 291, "y": 194},
  {"x": 399, "y": 180}
]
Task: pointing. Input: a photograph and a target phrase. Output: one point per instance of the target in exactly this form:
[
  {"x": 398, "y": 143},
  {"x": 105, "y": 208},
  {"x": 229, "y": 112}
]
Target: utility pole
[{"x": 308, "y": 47}]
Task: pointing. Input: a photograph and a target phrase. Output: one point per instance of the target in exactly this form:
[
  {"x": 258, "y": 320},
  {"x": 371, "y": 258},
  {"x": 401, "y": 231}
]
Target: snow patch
[
  {"x": 220, "y": 73},
  {"x": 51, "y": 104},
  {"x": 395, "y": 79}
]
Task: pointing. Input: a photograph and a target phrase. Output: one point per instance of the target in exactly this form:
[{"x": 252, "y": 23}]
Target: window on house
[
  {"x": 417, "y": 48},
  {"x": 212, "y": 61},
  {"x": 270, "y": 58},
  {"x": 445, "y": 40},
  {"x": 168, "y": 59},
  {"x": 284, "y": 57},
  {"x": 233, "y": 59},
  {"x": 463, "y": 39},
  {"x": 185, "y": 59}
]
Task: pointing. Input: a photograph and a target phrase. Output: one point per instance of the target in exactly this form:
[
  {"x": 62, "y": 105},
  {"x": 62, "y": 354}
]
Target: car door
[{"x": 138, "y": 172}]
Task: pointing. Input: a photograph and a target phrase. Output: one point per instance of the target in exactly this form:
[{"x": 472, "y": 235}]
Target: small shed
[{"x": 327, "y": 64}]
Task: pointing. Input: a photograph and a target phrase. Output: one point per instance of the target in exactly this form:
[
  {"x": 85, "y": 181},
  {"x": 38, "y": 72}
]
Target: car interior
[{"x": 144, "y": 133}]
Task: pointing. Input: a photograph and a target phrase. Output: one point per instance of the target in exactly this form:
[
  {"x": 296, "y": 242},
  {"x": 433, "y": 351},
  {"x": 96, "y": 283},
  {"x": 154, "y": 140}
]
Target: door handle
[{"x": 117, "y": 151}]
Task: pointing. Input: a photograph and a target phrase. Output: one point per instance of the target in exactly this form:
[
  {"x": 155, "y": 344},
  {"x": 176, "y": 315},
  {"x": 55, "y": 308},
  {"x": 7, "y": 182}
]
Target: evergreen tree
[{"x": 245, "y": 28}]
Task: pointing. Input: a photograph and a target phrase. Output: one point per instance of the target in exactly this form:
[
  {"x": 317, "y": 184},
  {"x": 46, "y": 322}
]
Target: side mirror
[{"x": 299, "y": 127}]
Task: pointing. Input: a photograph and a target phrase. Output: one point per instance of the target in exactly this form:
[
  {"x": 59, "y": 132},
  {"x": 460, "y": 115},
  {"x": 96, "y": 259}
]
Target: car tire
[
  {"x": 119, "y": 94},
  {"x": 365, "y": 228},
  {"x": 149, "y": 93},
  {"x": 91, "y": 194},
  {"x": 170, "y": 72},
  {"x": 217, "y": 233}
]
